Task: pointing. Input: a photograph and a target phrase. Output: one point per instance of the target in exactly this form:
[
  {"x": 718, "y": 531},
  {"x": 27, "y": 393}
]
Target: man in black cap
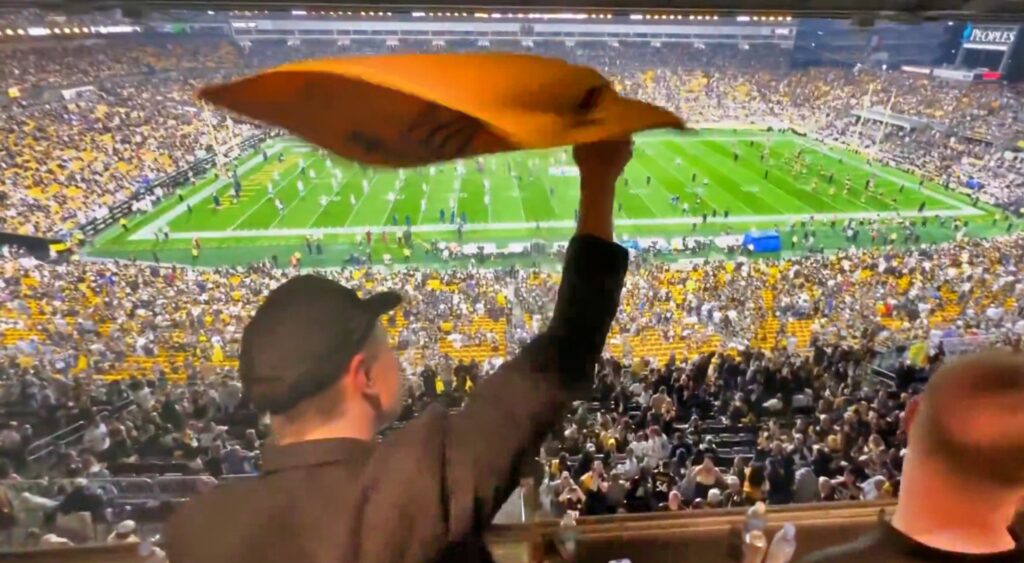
[{"x": 316, "y": 357}]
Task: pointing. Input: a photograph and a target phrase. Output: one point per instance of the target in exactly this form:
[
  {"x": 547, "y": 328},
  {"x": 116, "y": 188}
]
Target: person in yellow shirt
[{"x": 593, "y": 479}]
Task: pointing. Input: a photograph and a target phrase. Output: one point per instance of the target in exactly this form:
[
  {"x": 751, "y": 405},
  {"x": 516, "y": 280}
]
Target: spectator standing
[
  {"x": 315, "y": 357},
  {"x": 963, "y": 476}
]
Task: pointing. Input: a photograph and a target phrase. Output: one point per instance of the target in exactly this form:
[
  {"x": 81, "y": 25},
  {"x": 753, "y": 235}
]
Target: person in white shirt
[
  {"x": 96, "y": 438},
  {"x": 645, "y": 395},
  {"x": 658, "y": 447},
  {"x": 630, "y": 467},
  {"x": 143, "y": 397}
]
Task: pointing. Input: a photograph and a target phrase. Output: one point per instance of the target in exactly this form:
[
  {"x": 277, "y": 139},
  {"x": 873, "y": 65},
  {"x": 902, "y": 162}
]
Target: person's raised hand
[
  {"x": 600, "y": 165},
  {"x": 602, "y": 162}
]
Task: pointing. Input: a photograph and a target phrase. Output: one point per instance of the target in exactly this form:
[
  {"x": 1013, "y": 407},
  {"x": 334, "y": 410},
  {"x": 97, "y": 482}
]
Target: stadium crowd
[
  {"x": 728, "y": 383},
  {"x": 724, "y": 383},
  {"x": 141, "y": 122}
]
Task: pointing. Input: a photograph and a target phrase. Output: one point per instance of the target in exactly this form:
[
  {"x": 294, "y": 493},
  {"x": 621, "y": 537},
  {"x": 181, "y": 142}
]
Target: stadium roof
[{"x": 864, "y": 10}]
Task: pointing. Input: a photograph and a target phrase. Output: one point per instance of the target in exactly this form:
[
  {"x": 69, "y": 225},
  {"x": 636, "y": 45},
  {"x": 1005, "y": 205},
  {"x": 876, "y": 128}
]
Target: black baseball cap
[{"x": 302, "y": 337}]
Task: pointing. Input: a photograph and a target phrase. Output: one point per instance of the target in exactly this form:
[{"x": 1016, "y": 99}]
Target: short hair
[
  {"x": 325, "y": 402},
  {"x": 971, "y": 418}
]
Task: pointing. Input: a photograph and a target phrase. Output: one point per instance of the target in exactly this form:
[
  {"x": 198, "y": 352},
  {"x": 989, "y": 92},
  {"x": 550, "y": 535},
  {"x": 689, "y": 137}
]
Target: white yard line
[
  {"x": 262, "y": 201},
  {"x": 487, "y": 194},
  {"x": 458, "y": 192},
  {"x": 317, "y": 216},
  {"x": 642, "y": 189},
  {"x": 295, "y": 201},
  {"x": 426, "y": 197},
  {"x": 391, "y": 207},
  {"x": 668, "y": 221},
  {"x": 356, "y": 208},
  {"x": 146, "y": 232}
]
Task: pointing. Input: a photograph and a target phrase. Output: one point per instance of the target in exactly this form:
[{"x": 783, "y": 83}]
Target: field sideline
[{"x": 740, "y": 180}]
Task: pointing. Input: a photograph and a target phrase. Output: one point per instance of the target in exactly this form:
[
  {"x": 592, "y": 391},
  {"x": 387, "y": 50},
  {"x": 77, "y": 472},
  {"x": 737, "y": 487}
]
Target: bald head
[{"x": 971, "y": 418}]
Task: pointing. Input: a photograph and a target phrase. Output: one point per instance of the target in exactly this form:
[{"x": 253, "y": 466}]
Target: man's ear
[
  {"x": 359, "y": 375},
  {"x": 910, "y": 416}
]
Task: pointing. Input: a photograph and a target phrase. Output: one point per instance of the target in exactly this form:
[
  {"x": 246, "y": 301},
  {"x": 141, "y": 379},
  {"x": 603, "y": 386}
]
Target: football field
[{"x": 703, "y": 184}]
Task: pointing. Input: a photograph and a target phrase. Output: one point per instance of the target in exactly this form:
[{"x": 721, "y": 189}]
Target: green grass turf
[{"x": 532, "y": 195}]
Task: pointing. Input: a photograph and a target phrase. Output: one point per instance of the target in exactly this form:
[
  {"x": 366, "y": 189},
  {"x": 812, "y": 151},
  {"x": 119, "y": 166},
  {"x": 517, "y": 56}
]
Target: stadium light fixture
[
  {"x": 210, "y": 12},
  {"x": 21, "y": 32},
  {"x": 56, "y": 31},
  {"x": 9, "y": 31},
  {"x": 742, "y": 18},
  {"x": 294, "y": 12},
  {"x": 636, "y": 16},
  {"x": 419, "y": 14}
]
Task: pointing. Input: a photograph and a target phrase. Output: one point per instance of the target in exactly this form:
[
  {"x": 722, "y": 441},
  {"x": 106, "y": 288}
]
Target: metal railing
[{"x": 70, "y": 434}]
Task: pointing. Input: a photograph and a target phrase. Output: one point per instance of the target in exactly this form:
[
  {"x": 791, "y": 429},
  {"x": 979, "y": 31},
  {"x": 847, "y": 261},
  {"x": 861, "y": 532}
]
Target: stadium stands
[
  {"x": 765, "y": 369},
  {"x": 162, "y": 115}
]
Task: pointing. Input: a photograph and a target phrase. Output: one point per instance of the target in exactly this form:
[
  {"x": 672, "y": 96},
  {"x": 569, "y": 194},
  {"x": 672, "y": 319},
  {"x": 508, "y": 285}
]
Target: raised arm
[{"x": 464, "y": 466}]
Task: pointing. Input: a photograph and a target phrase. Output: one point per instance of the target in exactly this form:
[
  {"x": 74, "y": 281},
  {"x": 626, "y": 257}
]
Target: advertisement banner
[
  {"x": 989, "y": 36},
  {"x": 950, "y": 74},
  {"x": 916, "y": 69}
]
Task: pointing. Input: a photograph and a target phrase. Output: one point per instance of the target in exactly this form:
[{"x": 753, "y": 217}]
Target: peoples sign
[{"x": 993, "y": 35}]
